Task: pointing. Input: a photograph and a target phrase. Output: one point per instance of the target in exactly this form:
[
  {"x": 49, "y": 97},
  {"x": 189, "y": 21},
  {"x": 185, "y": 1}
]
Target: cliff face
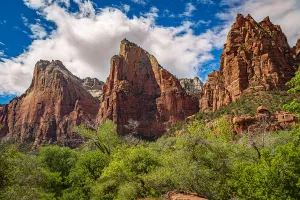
[
  {"x": 48, "y": 110},
  {"x": 93, "y": 86},
  {"x": 295, "y": 52},
  {"x": 256, "y": 56},
  {"x": 192, "y": 86},
  {"x": 139, "y": 94}
]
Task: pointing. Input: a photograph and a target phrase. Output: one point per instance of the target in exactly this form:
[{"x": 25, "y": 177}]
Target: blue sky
[{"x": 186, "y": 36}]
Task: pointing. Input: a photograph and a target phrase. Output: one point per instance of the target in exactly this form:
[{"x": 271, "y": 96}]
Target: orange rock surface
[
  {"x": 48, "y": 110},
  {"x": 256, "y": 56},
  {"x": 138, "y": 89}
]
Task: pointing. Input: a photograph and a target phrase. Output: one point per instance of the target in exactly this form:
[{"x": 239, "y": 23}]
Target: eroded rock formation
[
  {"x": 192, "y": 86},
  {"x": 140, "y": 96},
  {"x": 52, "y": 105},
  {"x": 295, "y": 51},
  {"x": 264, "y": 120},
  {"x": 256, "y": 56},
  {"x": 93, "y": 86}
]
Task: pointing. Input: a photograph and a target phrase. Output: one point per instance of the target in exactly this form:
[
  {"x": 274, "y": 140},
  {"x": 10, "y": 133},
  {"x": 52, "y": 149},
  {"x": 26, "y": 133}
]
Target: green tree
[
  {"x": 57, "y": 162},
  {"x": 20, "y": 175},
  {"x": 123, "y": 178},
  {"x": 87, "y": 170},
  {"x": 294, "y": 84},
  {"x": 105, "y": 138}
]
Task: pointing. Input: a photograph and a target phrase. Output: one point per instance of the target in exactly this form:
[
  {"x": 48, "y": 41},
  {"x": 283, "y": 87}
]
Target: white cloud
[
  {"x": 25, "y": 20},
  {"x": 285, "y": 13},
  {"x": 1, "y": 43},
  {"x": 126, "y": 8},
  {"x": 38, "y": 32},
  {"x": 203, "y": 22},
  {"x": 189, "y": 9},
  {"x": 206, "y": 1},
  {"x": 85, "y": 42},
  {"x": 37, "y": 4},
  {"x": 142, "y": 2},
  {"x": 167, "y": 13}
]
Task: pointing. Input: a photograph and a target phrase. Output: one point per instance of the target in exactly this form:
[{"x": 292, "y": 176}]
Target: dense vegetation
[{"x": 215, "y": 163}]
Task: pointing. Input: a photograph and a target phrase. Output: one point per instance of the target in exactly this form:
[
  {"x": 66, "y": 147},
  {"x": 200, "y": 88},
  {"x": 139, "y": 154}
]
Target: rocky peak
[
  {"x": 138, "y": 90},
  {"x": 56, "y": 100},
  {"x": 94, "y": 86},
  {"x": 256, "y": 56},
  {"x": 92, "y": 83},
  {"x": 192, "y": 86}
]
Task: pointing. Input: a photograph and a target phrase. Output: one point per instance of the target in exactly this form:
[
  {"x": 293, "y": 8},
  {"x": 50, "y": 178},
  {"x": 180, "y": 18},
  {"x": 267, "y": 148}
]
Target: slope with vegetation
[{"x": 218, "y": 166}]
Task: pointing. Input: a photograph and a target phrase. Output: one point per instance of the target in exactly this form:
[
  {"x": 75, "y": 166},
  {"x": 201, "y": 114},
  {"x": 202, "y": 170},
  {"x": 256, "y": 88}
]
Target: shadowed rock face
[
  {"x": 256, "y": 56},
  {"x": 139, "y": 90},
  {"x": 192, "y": 86},
  {"x": 52, "y": 105},
  {"x": 295, "y": 52}
]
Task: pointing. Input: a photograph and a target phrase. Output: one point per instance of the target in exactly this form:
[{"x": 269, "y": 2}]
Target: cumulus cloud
[
  {"x": 282, "y": 12},
  {"x": 126, "y": 8},
  {"x": 42, "y": 3},
  {"x": 189, "y": 9},
  {"x": 38, "y": 32},
  {"x": 206, "y": 1},
  {"x": 86, "y": 40},
  {"x": 142, "y": 2}
]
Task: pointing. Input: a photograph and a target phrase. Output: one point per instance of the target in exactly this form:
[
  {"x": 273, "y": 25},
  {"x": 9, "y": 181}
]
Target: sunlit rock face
[
  {"x": 93, "y": 86},
  {"x": 256, "y": 56},
  {"x": 54, "y": 103},
  {"x": 192, "y": 86},
  {"x": 139, "y": 90}
]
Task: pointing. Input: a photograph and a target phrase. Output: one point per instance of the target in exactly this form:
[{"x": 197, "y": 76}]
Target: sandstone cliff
[
  {"x": 93, "y": 86},
  {"x": 140, "y": 96},
  {"x": 47, "y": 111},
  {"x": 256, "y": 56},
  {"x": 192, "y": 86},
  {"x": 295, "y": 52}
]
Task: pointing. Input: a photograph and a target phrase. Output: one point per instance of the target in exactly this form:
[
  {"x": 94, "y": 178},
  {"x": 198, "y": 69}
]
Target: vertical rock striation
[
  {"x": 52, "y": 105},
  {"x": 256, "y": 56},
  {"x": 139, "y": 90}
]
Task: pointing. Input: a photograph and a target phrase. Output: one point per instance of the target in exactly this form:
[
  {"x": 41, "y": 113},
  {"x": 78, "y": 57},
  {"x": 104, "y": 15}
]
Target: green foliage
[
  {"x": 273, "y": 100},
  {"x": 294, "y": 106},
  {"x": 87, "y": 170},
  {"x": 104, "y": 138},
  {"x": 214, "y": 163},
  {"x": 123, "y": 178},
  {"x": 20, "y": 175},
  {"x": 57, "y": 163}
]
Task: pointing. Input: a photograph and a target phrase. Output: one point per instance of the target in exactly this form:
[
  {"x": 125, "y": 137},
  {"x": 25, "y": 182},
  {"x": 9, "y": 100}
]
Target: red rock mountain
[
  {"x": 256, "y": 56},
  {"x": 139, "y": 94},
  {"x": 47, "y": 111}
]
